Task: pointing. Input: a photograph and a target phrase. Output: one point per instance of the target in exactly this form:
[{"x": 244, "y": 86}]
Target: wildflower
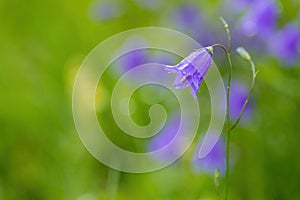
[
  {"x": 215, "y": 159},
  {"x": 192, "y": 69},
  {"x": 285, "y": 44}
]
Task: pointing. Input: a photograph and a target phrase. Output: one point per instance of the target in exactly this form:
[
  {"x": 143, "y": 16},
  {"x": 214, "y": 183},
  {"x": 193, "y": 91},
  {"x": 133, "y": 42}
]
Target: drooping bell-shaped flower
[{"x": 192, "y": 69}]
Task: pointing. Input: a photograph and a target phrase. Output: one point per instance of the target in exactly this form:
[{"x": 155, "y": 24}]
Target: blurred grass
[{"x": 41, "y": 157}]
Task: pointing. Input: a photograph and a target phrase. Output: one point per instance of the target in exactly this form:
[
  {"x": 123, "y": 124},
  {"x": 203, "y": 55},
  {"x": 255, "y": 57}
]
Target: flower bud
[{"x": 243, "y": 53}]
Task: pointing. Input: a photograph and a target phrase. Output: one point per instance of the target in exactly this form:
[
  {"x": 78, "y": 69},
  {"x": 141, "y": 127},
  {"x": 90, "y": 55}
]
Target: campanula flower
[
  {"x": 192, "y": 69},
  {"x": 215, "y": 159},
  {"x": 285, "y": 44}
]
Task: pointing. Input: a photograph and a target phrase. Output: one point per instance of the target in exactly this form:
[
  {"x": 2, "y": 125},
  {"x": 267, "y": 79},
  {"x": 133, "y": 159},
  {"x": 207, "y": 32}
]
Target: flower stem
[
  {"x": 227, "y": 32},
  {"x": 254, "y": 74},
  {"x": 228, "y": 130},
  {"x": 230, "y": 127},
  {"x": 112, "y": 184}
]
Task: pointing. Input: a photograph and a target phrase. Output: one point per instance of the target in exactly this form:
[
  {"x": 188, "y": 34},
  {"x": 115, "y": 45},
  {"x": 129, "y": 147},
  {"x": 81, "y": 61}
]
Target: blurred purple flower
[
  {"x": 188, "y": 18},
  {"x": 161, "y": 57},
  {"x": 192, "y": 69},
  {"x": 285, "y": 44},
  {"x": 238, "y": 95},
  {"x": 133, "y": 59},
  {"x": 237, "y": 6},
  {"x": 140, "y": 56},
  {"x": 149, "y": 4},
  {"x": 135, "y": 56},
  {"x": 101, "y": 11},
  {"x": 260, "y": 20},
  {"x": 165, "y": 137},
  {"x": 214, "y": 159}
]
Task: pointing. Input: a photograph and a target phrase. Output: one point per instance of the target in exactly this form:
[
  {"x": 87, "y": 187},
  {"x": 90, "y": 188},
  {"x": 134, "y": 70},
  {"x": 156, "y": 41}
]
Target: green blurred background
[{"x": 43, "y": 44}]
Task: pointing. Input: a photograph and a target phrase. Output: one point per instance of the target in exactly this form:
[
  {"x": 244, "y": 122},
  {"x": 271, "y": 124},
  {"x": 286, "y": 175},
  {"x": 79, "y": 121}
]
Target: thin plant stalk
[
  {"x": 112, "y": 184},
  {"x": 230, "y": 127},
  {"x": 254, "y": 74}
]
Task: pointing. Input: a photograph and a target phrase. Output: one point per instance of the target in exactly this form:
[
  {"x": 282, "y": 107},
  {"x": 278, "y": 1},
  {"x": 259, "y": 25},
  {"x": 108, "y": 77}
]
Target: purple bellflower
[
  {"x": 285, "y": 44},
  {"x": 192, "y": 69},
  {"x": 215, "y": 159}
]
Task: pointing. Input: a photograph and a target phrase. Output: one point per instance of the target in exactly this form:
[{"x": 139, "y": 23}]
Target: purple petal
[
  {"x": 181, "y": 82},
  {"x": 192, "y": 69}
]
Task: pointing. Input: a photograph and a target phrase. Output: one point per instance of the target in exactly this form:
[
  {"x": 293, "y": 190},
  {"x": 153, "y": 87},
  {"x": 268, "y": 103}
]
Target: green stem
[
  {"x": 228, "y": 125},
  {"x": 254, "y": 74},
  {"x": 228, "y": 130},
  {"x": 227, "y": 32},
  {"x": 112, "y": 184}
]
